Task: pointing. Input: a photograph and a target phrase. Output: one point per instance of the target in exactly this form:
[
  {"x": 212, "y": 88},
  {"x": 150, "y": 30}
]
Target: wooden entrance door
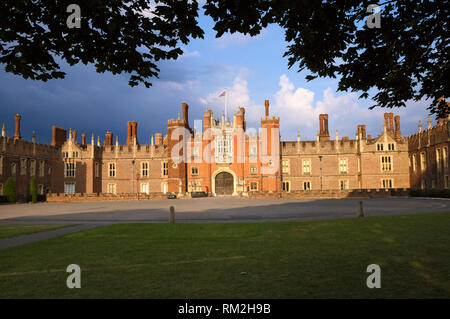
[{"x": 224, "y": 184}]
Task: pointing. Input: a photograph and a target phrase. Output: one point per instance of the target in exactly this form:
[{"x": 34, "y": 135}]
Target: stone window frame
[
  {"x": 253, "y": 170},
  {"x": 423, "y": 161},
  {"x": 285, "y": 169},
  {"x": 165, "y": 168},
  {"x": 97, "y": 169},
  {"x": 283, "y": 186},
  {"x": 32, "y": 167},
  {"x": 304, "y": 185},
  {"x": 380, "y": 147},
  {"x": 346, "y": 181},
  {"x": 70, "y": 170},
  {"x": 23, "y": 166},
  {"x": 389, "y": 181},
  {"x": 145, "y": 169},
  {"x": 254, "y": 189},
  {"x": 194, "y": 170},
  {"x": 445, "y": 156},
  {"x": 112, "y": 170},
  {"x": 41, "y": 168},
  {"x": 386, "y": 166},
  {"x": 111, "y": 188},
  {"x": 345, "y": 165},
  {"x": 146, "y": 190},
  {"x": 306, "y": 160}
]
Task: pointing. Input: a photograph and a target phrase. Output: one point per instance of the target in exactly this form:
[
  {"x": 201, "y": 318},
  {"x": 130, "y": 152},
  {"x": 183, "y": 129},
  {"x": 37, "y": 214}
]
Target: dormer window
[
  {"x": 379, "y": 147},
  {"x": 391, "y": 146}
]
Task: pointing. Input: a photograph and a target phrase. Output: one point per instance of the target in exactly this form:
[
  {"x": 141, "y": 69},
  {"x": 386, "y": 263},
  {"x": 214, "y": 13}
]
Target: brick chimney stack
[
  {"x": 324, "y": 135},
  {"x": 158, "y": 139},
  {"x": 362, "y": 130},
  {"x": 397, "y": 133},
  {"x": 108, "y": 139},
  {"x": 59, "y": 136},
  {"x": 17, "y": 135},
  {"x": 74, "y": 134},
  {"x": 132, "y": 132},
  {"x": 185, "y": 110},
  {"x": 266, "y": 104},
  {"x": 83, "y": 139}
]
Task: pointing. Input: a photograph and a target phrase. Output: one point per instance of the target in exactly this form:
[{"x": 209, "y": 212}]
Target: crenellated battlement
[{"x": 23, "y": 147}]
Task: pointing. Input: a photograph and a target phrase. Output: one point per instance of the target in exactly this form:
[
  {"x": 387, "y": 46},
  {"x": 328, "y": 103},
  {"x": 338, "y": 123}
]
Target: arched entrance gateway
[{"x": 224, "y": 184}]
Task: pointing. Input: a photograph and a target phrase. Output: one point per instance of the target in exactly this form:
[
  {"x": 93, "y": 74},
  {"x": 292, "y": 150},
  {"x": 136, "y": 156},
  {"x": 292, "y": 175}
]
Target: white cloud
[
  {"x": 187, "y": 53},
  {"x": 237, "y": 95},
  {"x": 236, "y": 39},
  {"x": 299, "y": 109}
]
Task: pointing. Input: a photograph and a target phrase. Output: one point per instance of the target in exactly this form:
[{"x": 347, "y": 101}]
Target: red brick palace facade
[{"x": 226, "y": 158}]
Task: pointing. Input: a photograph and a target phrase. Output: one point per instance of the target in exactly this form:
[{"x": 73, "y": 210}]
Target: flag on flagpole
[{"x": 223, "y": 93}]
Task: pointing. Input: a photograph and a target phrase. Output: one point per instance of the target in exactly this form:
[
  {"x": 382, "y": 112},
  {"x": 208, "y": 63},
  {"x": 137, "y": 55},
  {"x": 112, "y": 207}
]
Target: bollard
[
  {"x": 172, "y": 215},
  {"x": 360, "y": 209}
]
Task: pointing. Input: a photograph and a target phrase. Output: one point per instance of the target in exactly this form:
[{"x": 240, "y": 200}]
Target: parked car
[{"x": 171, "y": 196}]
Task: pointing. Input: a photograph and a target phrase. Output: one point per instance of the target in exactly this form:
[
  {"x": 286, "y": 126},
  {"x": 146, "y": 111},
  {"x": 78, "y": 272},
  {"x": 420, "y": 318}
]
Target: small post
[
  {"x": 172, "y": 215},
  {"x": 360, "y": 209}
]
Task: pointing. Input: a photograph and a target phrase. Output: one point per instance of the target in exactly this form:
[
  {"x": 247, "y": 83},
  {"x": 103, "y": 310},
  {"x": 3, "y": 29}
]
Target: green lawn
[
  {"x": 314, "y": 259},
  {"x": 8, "y": 231}
]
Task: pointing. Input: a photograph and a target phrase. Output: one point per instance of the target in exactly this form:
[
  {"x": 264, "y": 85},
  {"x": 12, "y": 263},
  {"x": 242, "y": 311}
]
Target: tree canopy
[{"x": 405, "y": 58}]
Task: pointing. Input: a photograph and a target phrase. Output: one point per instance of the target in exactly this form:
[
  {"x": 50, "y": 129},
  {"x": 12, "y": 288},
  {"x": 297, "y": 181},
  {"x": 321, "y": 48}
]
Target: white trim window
[
  {"x": 307, "y": 186},
  {"x": 23, "y": 166},
  {"x": 306, "y": 166},
  {"x": 33, "y": 167},
  {"x": 69, "y": 188},
  {"x": 145, "y": 189},
  {"x": 253, "y": 186},
  {"x": 223, "y": 148},
  {"x": 41, "y": 168},
  {"x": 387, "y": 183},
  {"x": 286, "y": 186},
  {"x": 343, "y": 185},
  {"x": 386, "y": 163},
  {"x": 343, "y": 165},
  {"x": 285, "y": 166},
  {"x": 144, "y": 169},
  {"x": 445, "y": 156},
  {"x": 165, "y": 169},
  {"x": 423, "y": 161},
  {"x": 112, "y": 170},
  {"x": 112, "y": 189},
  {"x": 97, "y": 169},
  {"x": 70, "y": 170}
]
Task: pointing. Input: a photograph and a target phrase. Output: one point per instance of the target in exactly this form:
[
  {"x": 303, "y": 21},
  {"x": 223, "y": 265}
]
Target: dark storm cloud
[{"x": 92, "y": 103}]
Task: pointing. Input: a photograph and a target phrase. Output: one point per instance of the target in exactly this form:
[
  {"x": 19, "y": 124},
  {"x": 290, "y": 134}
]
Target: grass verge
[{"x": 313, "y": 259}]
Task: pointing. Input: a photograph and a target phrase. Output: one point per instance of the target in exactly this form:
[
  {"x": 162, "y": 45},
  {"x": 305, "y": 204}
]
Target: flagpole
[{"x": 226, "y": 102}]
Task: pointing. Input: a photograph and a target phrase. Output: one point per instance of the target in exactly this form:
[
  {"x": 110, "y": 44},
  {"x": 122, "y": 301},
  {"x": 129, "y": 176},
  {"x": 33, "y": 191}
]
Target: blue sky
[{"x": 250, "y": 69}]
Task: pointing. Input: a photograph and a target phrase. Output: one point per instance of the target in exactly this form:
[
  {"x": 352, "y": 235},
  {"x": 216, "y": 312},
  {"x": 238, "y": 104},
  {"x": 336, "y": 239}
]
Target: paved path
[
  {"x": 31, "y": 238},
  {"x": 202, "y": 210}
]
